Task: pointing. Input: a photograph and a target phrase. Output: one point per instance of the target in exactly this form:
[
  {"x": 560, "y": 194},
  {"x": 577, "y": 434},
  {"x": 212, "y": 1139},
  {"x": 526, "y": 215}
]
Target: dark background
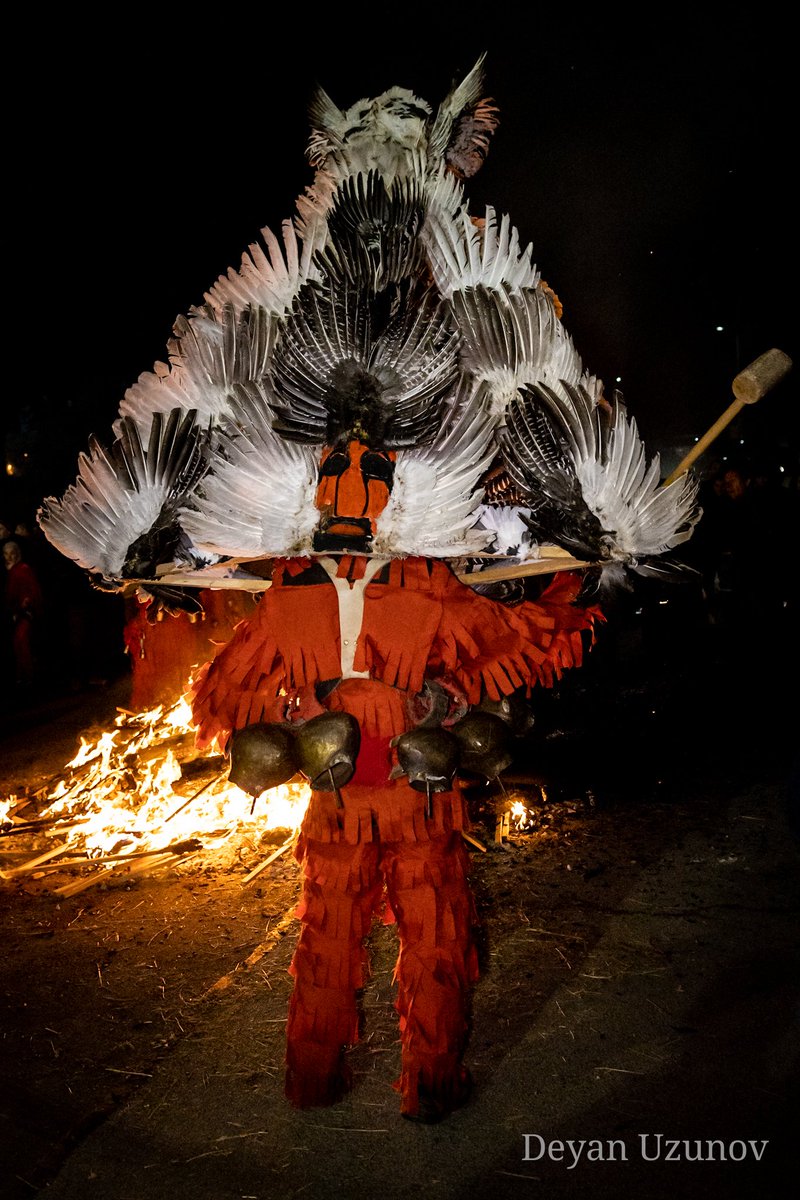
[{"x": 648, "y": 158}]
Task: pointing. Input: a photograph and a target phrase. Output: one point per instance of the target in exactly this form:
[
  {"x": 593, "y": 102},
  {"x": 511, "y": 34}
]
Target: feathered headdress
[{"x": 389, "y": 377}]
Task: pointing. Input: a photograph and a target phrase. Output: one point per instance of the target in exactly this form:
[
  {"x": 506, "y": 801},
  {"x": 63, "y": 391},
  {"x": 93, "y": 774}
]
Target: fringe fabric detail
[
  {"x": 419, "y": 622},
  {"x": 428, "y": 891},
  {"x": 394, "y": 812}
]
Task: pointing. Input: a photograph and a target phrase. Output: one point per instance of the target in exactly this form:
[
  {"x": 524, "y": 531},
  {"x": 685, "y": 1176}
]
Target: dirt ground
[{"x": 99, "y": 988}]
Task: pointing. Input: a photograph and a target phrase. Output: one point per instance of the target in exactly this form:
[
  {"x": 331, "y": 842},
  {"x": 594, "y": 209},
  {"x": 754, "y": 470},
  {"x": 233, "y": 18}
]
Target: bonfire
[{"x": 140, "y": 798}]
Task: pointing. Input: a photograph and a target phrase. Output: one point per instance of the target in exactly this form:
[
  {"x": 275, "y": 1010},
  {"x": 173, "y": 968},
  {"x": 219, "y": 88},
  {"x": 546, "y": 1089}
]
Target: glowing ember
[{"x": 143, "y": 788}]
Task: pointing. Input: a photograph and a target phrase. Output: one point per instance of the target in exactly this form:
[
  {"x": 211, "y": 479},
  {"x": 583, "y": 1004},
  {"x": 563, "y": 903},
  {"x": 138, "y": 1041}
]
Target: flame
[
  {"x": 519, "y": 814},
  {"x": 7, "y": 807},
  {"x": 128, "y": 793}
]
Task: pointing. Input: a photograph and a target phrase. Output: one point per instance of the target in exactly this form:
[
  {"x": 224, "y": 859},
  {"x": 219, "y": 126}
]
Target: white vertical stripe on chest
[{"x": 351, "y": 610}]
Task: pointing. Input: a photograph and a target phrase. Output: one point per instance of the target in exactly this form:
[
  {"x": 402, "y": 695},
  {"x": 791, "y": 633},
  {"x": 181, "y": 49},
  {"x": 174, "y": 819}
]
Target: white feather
[
  {"x": 434, "y": 503},
  {"x": 513, "y": 338},
  {"x": 104, "y": 511},
  {"x": 258, "y": 498},
  {"x": 270, "y": 276},
  {"x": 511, "y": 535},
  {"x": 210, "y": 352},
  {"x": 624, "y": 492},
  {"x": 464, "y": 253}
]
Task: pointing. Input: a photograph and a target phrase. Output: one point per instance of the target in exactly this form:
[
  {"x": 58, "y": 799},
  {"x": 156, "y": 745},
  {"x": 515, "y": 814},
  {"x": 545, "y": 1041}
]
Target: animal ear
[
  {"x": 327, "y": 122},
  {"x": 469, "y": 144},
  {"x": 464, "y": 124}
]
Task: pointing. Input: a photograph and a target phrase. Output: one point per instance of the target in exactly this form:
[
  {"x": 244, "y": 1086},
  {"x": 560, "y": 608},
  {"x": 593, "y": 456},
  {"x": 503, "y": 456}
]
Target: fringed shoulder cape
[{"x": 420, "y": 622}]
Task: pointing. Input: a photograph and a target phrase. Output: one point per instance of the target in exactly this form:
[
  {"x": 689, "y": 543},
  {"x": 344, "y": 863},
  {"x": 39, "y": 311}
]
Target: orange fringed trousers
[{"x": 426, "y": 884}]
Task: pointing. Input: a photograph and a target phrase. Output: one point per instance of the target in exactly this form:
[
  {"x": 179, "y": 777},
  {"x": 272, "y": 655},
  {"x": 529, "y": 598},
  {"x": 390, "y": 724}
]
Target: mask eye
[
  {"x": 336, "y": 463},
  {"x": 377, "y": 466}
]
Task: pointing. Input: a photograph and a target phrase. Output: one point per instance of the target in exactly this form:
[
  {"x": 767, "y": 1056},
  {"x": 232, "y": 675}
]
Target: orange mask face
[{"x": 353, "y": 490}]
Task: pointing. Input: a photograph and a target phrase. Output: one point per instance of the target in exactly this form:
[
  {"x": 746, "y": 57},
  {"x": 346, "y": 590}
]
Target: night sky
[{"x": 648, "y": 161}]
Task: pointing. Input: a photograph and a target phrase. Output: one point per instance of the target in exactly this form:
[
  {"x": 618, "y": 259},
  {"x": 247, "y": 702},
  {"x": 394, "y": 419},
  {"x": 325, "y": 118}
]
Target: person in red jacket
[{"x": 24, "y": 607}]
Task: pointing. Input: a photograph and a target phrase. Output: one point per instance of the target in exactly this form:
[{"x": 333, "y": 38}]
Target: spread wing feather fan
[{"x": 583, "y": 469}]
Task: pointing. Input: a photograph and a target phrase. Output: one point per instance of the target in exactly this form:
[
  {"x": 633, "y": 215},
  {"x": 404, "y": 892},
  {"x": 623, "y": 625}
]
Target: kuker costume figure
[{"x": 382, "y": 407}]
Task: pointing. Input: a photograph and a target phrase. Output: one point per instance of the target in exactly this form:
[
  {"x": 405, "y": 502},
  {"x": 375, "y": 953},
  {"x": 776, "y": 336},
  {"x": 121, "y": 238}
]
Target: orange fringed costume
[
  {"x": 419, "y": 622},
  {"x": 164, "y": 653}
]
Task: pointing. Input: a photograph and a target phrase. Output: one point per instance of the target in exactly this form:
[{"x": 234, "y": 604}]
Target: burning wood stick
[
  {"x": 473, "y": 842},
  {"x": 45, "y": 823},
  {"x": 503, "y": 827},
  {"x": 86, "y": 861},
  {"x": 271, "y": 859},
  {"x": 56, "y": 777},
  {"x": 186, "y": 803},
  {"x": 144, "y": 860},
  {"x": 147, "y": 862},
  {"x": 33, "y": 863},
  {"x": 92, "y": 784}
]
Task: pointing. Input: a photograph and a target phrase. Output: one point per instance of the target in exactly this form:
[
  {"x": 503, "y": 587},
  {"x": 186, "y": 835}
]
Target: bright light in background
[{"x": 720, "y": 328}]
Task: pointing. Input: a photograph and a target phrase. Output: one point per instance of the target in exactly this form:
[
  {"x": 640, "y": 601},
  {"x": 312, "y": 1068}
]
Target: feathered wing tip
[
  {"x": 434, "y": 503},
  {"x": 270, "y": 274},
  {"x": 541, "y": 468},
  {"x": 463, "y": 125},
  {"x": 512, "y": 338},
  {"x": 311, "y": 219},
  {"x": 586, "y": 473},
  {"x": 327, "y": 123},
  {"x": 257, "y": 499},
  {"x": 619, "y": 485},
  {"x": 120, "y": 516},
  {"x": 465, "y": 252},
  {"x": 210, "y": 350}
]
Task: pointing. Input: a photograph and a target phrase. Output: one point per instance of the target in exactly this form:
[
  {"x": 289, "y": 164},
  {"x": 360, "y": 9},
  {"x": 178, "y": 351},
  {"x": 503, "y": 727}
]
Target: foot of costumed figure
[{"x": 381, "y": 406}]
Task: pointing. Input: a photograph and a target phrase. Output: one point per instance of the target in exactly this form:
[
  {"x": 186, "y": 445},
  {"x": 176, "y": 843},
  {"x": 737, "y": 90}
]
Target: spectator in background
[
  {"x": 23, "y": 607},
  {"x": 744, "y": 549}
]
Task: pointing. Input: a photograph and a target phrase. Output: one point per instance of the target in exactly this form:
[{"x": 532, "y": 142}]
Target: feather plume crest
[{"x": 388, "y": 134}]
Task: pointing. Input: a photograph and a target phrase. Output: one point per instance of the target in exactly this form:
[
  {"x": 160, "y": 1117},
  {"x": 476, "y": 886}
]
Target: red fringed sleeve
[{"x": 490, "y": 647}]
